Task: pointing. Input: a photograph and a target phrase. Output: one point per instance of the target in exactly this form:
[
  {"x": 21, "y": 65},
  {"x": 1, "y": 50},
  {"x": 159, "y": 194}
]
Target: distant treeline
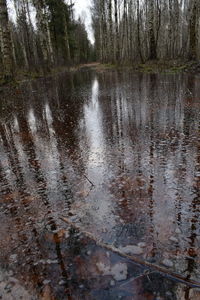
[
  {"x": 57, "y": 39},
  {"x": 139, "y": 30}
]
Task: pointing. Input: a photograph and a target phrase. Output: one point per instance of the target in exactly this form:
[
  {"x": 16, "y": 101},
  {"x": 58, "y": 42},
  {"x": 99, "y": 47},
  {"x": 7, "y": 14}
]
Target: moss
[
  {"x": 178, "y": 68},
  {"x": 163, "y": 67},
  {"x": 146, "y": 68},
  {"x": 110, "y": 66}
]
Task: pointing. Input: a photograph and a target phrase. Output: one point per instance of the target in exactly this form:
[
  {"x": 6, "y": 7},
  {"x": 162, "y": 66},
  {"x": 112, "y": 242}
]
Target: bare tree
[
  {"x": 6, "y": 43},
  {"x": 193, "y": 30},
  {"x": 147, "y": 29},
  {"x": 152, "y": 38}
]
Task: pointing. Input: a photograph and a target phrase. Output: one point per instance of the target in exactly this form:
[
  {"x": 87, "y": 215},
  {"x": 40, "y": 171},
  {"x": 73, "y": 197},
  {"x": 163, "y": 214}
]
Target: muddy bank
[
  {"x": 150, "y": 67},
  {"x": 154, "y": 67}
]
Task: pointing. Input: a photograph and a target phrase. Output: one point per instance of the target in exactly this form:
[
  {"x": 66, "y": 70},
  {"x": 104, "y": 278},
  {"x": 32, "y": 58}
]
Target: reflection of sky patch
[
  {"x": 93, "y": 120},
  {"x": 97, "y": 166},
  {"x": 16, "y": 124},
  {"x": 32, "y": 121}
]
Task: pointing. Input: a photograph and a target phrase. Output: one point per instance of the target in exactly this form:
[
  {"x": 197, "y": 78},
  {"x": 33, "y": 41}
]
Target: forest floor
[
  {"x": 161, "y": 67},
  {"x": 170, "y": 67}
]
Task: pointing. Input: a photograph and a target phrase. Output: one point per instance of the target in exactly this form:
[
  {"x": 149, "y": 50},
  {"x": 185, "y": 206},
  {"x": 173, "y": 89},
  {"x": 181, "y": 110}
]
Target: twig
[
  {"x": 132, "y": 279},
  {"x": 89, "y": 180},
  {"x": 134, "y": 259}
]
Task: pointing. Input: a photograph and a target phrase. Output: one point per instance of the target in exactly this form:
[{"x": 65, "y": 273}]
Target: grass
[
  {"x": 163, "y": 67},
  {"x": 155, "y": 67}
]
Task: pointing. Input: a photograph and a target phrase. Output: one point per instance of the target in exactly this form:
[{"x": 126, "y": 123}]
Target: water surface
[{"x": 118, "y": 155}]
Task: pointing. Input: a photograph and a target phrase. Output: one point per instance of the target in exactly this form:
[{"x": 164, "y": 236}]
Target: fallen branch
[
  {"x": 131, "y": 280},
  {"x": 134, "y": 259},
  {"x": 89, "y": 180}
]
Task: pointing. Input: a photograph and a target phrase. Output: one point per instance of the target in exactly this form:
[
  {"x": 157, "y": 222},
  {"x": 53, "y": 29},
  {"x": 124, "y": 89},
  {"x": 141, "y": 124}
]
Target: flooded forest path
[{"x": 100, "y": 187}]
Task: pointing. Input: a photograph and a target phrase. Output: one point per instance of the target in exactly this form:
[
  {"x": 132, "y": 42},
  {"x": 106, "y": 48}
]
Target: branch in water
[
  {"x": 89, "y": 180},
  {"x": 134, "y": 259}
]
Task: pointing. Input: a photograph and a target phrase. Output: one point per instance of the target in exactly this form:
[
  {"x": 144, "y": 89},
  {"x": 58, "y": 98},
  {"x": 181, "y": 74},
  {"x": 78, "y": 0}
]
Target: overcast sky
[{"x": 82, "y": 8}]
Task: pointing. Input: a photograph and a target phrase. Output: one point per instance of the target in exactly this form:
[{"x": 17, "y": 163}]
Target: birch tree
[
  {"x": 139, "y": 30},
  {"x": 152, "y": 39},
  {"x": 6, "y": 43},
  {"x": 193, "y": 30}
]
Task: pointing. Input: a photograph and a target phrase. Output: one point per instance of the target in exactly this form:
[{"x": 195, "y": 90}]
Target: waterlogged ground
[{"x": 118, "y": 156}]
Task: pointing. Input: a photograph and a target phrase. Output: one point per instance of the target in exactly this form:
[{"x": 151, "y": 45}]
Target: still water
[{"x": 118, "y": 155}]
